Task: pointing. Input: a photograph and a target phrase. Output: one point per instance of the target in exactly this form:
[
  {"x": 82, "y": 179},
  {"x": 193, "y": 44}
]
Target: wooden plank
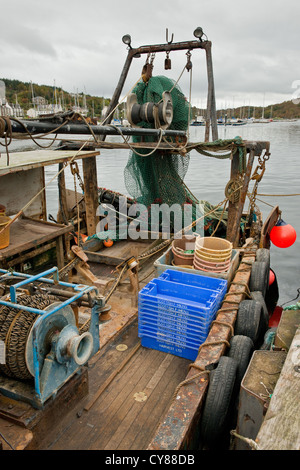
[
  {"x": 14, "y": 437},
  {"x": 95, "y": 427},
  {"x": 152, "y": 411},
  {"x": 21, "y": 161},
  {"x": 280, "y": 429},
  {"x": 121, "y": 393},
  {"x": 267, "y": 227},
  {"x": 134, "y": 407},
  {"x": 95, "y": 257},
  {"x": 109, "y": 379},
  {"x": 27, "y": 233}
]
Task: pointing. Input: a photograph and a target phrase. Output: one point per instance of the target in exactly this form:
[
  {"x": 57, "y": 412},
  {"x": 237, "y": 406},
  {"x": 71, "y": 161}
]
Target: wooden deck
[{"x": 130, "y": 389}]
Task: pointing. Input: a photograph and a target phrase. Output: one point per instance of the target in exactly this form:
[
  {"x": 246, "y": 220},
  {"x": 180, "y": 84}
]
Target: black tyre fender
[
  {"x": 241, "y": 348},
  {"x": 249, "y": 320},
  {"x": 263, "y": 254},
  {"x": 259, "y": 278},
  {"x": 216, "y": 412},
  {"x": 257, "y": 295}
]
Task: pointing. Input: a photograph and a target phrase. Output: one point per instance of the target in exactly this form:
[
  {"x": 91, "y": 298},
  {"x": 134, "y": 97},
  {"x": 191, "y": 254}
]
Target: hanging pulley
[
  {"x": 167, "y": 61},
  {"x": 161, "y": 114},
  {"x": 148, "y": 67},
  {"x": 189, "y": 64}
]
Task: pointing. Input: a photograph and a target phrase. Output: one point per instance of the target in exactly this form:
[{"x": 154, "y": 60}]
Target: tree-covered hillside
[{"x": 22, "y": 91}]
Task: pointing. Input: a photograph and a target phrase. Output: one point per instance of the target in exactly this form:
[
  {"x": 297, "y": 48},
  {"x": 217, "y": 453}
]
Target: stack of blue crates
[{"x": 176, "y": 310}]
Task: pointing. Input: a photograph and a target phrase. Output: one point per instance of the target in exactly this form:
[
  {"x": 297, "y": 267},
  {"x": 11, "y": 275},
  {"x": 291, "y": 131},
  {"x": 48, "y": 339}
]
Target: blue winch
[{"x": 41, "y": 346}]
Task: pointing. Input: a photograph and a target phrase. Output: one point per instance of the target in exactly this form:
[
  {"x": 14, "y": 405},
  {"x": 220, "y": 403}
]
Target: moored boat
[{"x": 121, "y": 346}]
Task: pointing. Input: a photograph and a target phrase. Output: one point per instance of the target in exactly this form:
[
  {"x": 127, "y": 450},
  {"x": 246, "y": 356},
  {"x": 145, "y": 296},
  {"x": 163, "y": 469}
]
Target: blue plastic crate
[
  {"x": 172, "y": 336},
  {"x": 164, "y": 308},
  {"x": 179, "y": 295},
  {"x": 186, "y": 352},
  {"x": 183, "y": 322},
  {"x": 172, "y": 339},
  {"x": 175, "y": 311},
  {"x": 206, "y": 282}
]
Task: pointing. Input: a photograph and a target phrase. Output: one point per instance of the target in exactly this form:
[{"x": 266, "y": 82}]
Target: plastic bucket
[
  {"x": 187, "y": 266},
  {"x": 212, "y": 266},
  {"x": 4, "y": 236},
  {"x": 201, "y": 268},
  {"x": 179, "y": 248},
  {"x": 182, "y": 260},
  {"x": 213, "y": 245},
  {"x": 212, "y": 257}
]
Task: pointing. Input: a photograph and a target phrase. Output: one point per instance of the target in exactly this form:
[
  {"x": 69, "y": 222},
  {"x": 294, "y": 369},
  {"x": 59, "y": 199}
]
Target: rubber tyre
[
  {"x": 218, "y": 404},
  {"x": 259, "y": 279},
  {"x": 249, "y": 321},
  {"x": 241, "y": 348},
  {"x": 263, "y": 255},
  {"x": 257, "y": 295}
]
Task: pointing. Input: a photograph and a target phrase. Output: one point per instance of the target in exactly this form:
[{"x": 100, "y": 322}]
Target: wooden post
[
  {"x": 89, "y": 168},
  {"x": 235, "y": 209},
  {"x": 63, "y": 214}
]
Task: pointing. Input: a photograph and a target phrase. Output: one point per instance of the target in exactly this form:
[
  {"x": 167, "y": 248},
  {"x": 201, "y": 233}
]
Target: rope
[
  {"x": 190, "y": 379},
  {"x": 133, "y": 149},
  {"x": 250, "y": 442},
  {"x": 277, "y": 195}
]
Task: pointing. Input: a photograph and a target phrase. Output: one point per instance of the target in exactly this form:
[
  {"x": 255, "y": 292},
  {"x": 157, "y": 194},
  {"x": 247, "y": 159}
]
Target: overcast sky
[{"x": 77, "y": 44}]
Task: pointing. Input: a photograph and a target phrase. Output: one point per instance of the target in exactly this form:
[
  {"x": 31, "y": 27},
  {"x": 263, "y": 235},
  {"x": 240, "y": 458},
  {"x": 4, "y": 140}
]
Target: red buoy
[
  {"x": 282, "y": 234},
  {"x": 271, "y": 277}
]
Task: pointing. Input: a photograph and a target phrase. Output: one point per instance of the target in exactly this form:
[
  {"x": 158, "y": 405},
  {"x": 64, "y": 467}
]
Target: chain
[{"x": 75, "y": 172}]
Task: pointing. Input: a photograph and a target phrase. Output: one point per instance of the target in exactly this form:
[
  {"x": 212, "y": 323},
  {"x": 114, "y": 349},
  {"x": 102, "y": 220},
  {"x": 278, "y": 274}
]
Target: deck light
[
  {"x": 127, "y": 40},
  {"x": 198, "y": 33}
]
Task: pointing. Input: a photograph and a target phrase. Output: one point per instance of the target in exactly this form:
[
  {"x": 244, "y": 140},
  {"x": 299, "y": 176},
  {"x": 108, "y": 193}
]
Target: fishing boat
[{"x": 124, "y": 327}]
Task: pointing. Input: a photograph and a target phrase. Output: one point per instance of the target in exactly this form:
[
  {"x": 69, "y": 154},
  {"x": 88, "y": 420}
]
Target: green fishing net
[{"x": 157, "y": 178}]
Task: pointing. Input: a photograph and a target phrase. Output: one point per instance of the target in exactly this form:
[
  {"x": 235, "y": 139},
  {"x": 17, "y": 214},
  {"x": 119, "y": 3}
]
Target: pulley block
[{"x": 161, "y": 114}]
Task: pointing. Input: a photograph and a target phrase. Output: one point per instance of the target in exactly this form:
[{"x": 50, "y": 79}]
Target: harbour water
[{"x": 207, "y": 178}]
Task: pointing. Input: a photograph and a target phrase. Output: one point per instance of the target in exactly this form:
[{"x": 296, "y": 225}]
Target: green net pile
[{"x": 157, "y": 178}]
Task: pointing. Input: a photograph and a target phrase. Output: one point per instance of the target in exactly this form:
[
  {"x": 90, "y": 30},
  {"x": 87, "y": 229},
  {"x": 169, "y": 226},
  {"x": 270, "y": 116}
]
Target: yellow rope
[{"x": 278, "y": 195}]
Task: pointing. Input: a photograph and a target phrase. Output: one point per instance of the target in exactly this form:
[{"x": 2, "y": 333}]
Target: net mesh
[{"x": 158, "y": 178}]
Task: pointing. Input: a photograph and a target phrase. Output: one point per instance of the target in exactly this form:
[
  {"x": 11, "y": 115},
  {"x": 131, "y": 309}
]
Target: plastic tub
[
  {"x": 4, "y": 236},
  {"x": 165, "y": 262},
  {"x": 180, "y": 260},
  {"x": 212, "y": 266},
  {"x": 179, "y": 248},
  {"x": 213, "y": 258},
  {"x": 213, "y": 245},
  {"x": 187, "y": 242}
]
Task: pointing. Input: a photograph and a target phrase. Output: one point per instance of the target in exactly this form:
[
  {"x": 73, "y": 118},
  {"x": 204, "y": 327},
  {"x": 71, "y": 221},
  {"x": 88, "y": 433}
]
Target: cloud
[{"x": 255, "y": 44}]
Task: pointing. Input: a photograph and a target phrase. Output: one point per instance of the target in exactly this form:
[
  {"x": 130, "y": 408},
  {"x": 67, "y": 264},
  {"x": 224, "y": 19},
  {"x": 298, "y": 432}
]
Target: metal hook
[{"x": 167, "y": 37}]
